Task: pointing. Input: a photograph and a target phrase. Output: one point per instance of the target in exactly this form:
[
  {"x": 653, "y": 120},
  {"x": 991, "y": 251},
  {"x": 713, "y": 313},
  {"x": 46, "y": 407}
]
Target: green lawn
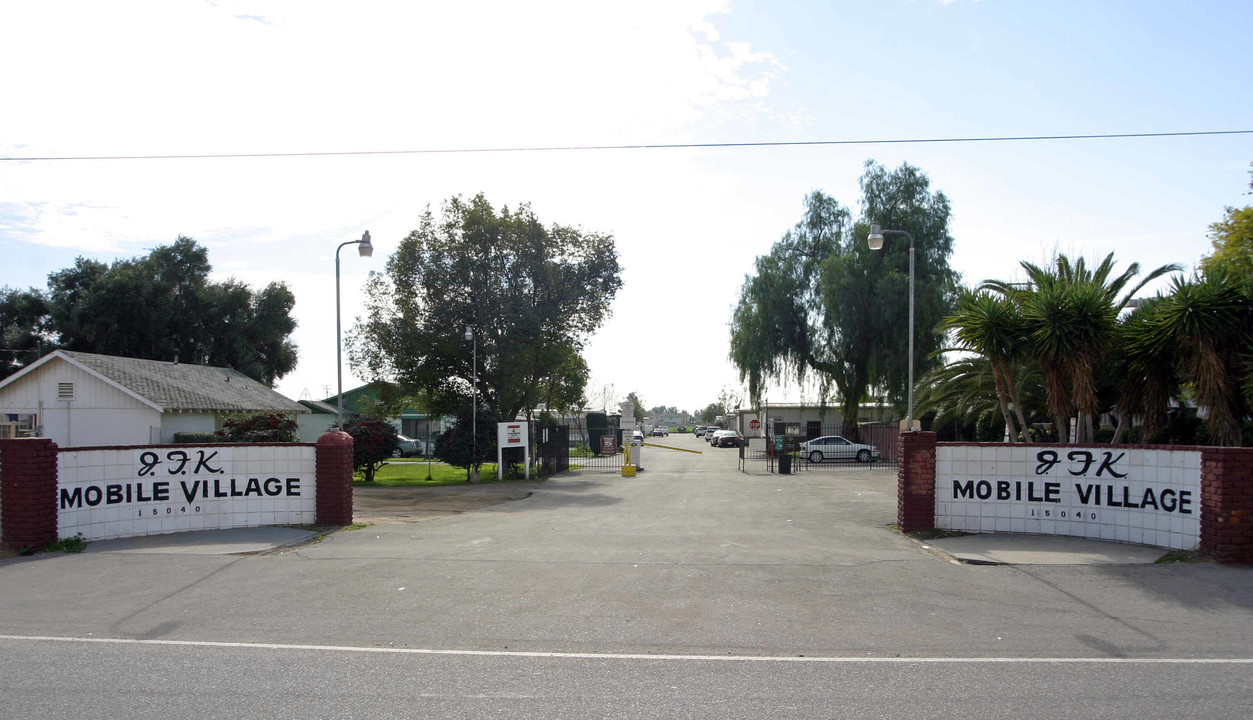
[{"x": 414, "y": 474}]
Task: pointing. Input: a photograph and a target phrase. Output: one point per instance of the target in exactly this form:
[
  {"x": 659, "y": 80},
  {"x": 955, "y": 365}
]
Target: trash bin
[{"x": 785, "y": 464}]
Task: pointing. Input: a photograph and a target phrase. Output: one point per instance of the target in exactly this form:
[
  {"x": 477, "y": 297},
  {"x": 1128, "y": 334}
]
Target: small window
[
  {"x": 25, "y": 423},
  {"x": 65, "y": 391}
]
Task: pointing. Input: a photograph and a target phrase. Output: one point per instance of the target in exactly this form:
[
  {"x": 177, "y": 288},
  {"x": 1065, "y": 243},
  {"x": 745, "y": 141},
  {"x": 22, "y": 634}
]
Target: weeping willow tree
[{"x": 822, "y": 306}]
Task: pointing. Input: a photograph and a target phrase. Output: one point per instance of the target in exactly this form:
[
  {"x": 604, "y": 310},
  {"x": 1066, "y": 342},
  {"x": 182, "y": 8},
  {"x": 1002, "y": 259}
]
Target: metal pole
[
  {"x": 339, "y": 355},
  {"x": 366, "y": 249},
  {"x": 875, "y": 240},
  {"x": 910, "y": 417},
  {"x": 474, "y": 401}
]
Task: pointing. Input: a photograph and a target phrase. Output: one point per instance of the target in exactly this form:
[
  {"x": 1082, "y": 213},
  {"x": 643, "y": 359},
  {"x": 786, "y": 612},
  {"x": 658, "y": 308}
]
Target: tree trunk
[
  {"x": 1013, "y": 396},
  {"x": 1118, "y": 431},
  {"x": 1061, "y": 425},
  {"x": 999, "y": 382}
]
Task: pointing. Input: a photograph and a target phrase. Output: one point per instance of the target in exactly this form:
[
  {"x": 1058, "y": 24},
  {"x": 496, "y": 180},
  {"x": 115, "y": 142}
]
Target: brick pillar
[
  {"x": 28, "y": 493},
  {"x": 915, "y": 481},
  {"x": 1226, "y": 504},
  {"x": 334, "y": 470}
]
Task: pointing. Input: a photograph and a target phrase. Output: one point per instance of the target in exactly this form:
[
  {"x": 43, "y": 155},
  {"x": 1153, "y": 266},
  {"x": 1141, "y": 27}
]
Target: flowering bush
[{"x": 262, "y": 426}]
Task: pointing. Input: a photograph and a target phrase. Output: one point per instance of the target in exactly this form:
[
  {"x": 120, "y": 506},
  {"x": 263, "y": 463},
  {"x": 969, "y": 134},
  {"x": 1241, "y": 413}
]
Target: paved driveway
[
  {"x": 690, "y": 556},
  {"x": 658, "y": 576}
]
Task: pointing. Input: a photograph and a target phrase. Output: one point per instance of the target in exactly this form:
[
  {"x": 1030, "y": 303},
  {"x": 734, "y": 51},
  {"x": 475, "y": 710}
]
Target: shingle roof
[
  {"x": 317, "y": 406},
  {"x": 177, "y": 386}
]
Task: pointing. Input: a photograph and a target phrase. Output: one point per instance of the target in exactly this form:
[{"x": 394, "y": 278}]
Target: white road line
[{"x": 633, "y": 656}]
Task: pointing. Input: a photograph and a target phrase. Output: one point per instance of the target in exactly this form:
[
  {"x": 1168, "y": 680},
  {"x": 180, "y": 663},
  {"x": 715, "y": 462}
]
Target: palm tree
[
  {"x": 1070, "y": 317},
  {"x": 964, "y": 391},
  {"x": 1147, "y": 370},
  {"x": 1204, "y": 327},
  {"x": 993, "y": 328}
]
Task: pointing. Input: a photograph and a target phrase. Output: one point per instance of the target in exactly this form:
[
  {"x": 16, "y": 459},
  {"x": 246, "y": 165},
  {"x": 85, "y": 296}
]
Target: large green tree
[
  {"x": 158, "y": 307},
  {"x": 637, "y": 406},
  {"x": 1232, "y": 239},
  {"x": 23, "y": 328},
  {"x": 532, "y": 295},
  {"x": 823, "y": 304}
]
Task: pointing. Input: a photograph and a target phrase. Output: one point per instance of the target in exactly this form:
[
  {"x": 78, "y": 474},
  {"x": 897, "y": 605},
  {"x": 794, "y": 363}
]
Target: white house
[
  {"x": 321, "y": 417},
  {"x": 81, "y": 399}
]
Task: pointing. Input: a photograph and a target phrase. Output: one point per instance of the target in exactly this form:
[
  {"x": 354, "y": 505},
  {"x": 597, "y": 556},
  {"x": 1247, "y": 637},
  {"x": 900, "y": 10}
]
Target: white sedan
[{"x": 834, "y": 447}]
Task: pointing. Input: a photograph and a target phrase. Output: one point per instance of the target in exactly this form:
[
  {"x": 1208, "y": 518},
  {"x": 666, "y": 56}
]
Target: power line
[{"x": 665, "y": 146}]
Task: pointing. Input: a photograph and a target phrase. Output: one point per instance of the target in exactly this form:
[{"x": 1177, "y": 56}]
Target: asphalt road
[{"x": 690, "y": 590}]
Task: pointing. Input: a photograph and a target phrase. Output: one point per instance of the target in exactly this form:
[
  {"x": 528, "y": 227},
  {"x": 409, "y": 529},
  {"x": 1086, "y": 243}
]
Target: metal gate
[
  {"x": 837, "y": 446},
  {"x": 868, "y": 446},
  {"x": 552, "y": 449},
  {"x": 557, "y": 452}
]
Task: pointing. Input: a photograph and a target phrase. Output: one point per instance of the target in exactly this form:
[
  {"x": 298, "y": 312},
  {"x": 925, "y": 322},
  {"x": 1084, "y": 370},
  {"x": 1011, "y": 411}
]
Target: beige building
[{"x": 808, "y": 421}]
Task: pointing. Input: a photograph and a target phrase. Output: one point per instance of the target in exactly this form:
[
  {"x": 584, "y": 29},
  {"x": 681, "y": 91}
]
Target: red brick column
[
  {"x": 334, "y": 470},
  {"x": 1227, "y": 504},
  {"x": 28, "y": 493},
  {"x": 915, "y": 481}
]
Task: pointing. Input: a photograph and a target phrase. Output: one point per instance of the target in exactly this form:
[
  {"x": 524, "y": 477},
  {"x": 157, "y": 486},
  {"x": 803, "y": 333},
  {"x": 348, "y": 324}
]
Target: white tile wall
[
  {"x": 79, "y": 470},
  {"x": 1161, "y": 471}
]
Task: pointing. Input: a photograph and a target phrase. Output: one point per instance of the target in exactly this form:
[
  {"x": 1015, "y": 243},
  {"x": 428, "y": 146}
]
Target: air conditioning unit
[{"x": 8, "y": 430}]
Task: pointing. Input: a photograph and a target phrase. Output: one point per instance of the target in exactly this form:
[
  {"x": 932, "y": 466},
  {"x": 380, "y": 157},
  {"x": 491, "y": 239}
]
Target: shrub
[
  {"x": 373, "y": 441},
  {"x": 262, "y": 426},
  {"x": 455, "y": 445},
  {"x": 198, "y": 438}
]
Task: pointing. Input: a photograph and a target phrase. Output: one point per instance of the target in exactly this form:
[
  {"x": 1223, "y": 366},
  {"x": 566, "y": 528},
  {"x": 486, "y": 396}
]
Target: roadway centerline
[{"x": 632, "y": 656}]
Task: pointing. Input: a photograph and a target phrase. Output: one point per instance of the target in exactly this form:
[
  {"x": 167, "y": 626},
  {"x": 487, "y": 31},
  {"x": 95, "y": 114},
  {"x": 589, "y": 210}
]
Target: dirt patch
[{"x": 404, "y": 504}]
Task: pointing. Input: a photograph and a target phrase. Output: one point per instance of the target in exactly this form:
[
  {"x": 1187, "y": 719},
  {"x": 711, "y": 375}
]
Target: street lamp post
[
  {"x": 474, "y": 397},
  {"x": 875, "y": 241},
  {"x": 365, "y": 249}
]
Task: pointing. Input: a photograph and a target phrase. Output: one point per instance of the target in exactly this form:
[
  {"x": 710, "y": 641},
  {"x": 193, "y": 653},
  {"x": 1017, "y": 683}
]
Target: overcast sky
[{"x": 196, "y": 77}]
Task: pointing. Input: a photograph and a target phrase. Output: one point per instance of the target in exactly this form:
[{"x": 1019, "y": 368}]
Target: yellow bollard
[{"x": 628, "y": 471}]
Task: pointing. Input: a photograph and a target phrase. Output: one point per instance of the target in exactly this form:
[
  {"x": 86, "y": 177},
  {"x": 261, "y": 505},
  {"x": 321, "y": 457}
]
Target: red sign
[
  {"x": 754, "y": 424},
  {"x": 608, "y": 445}
]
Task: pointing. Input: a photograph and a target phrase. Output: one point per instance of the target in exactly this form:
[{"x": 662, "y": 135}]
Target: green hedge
[{"x": 198, "y": 437}]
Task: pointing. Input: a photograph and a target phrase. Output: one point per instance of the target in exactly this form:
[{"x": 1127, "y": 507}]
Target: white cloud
[
  {"x": 151, "y": 78},
  {"x": 174, "y": 78}
]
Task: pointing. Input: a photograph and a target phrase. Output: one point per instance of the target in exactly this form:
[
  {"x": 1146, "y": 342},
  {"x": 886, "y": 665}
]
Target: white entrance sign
[
  {"x": 128, "y": 492},
  {"x": 1149, "y": 497},
  {"x": 511, "y": 435}
]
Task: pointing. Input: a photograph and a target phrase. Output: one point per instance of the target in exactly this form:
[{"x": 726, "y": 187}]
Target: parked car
[
  {"x": 637, "y": 437},
  {"x": 728, "y": 438},
  {"x": 407, "y": 447},
  {"x": 700, "y": 430},
  {"x": 710, "y": 432},
  {"x": 834, "y": 447},
  {"x": 661, "y": 432}
]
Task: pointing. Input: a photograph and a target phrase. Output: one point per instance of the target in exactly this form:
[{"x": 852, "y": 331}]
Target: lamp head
[
  {"x": 469, "y": 334},
  {"x": 364, "y": 248},
  {"x": 875, "y": 239}
]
